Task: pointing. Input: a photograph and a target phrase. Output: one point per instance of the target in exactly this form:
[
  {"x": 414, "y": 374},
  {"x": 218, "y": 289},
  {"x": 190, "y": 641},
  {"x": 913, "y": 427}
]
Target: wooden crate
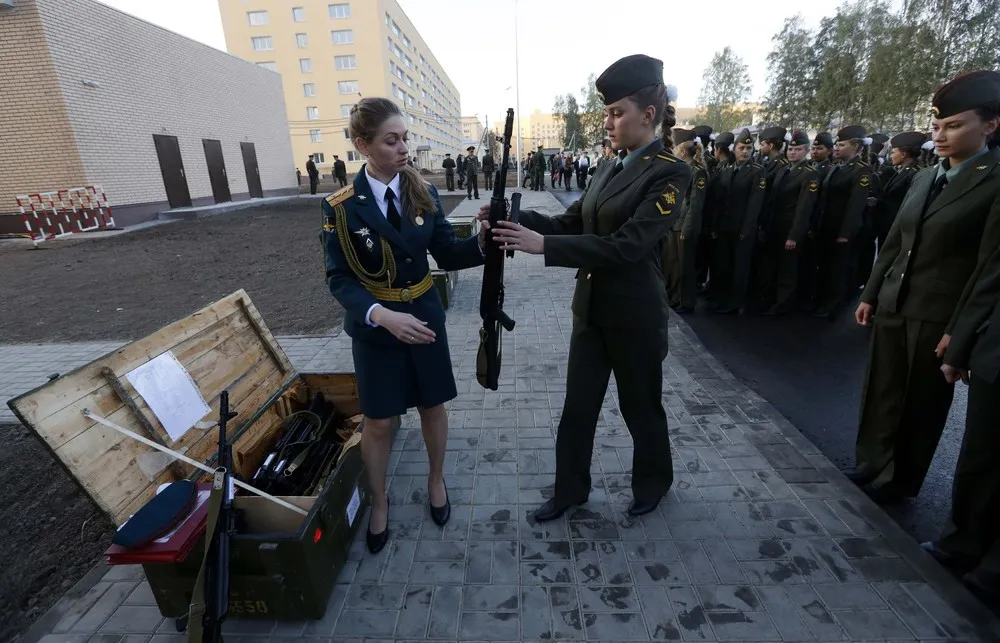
[{"x": 225, "y": 346}]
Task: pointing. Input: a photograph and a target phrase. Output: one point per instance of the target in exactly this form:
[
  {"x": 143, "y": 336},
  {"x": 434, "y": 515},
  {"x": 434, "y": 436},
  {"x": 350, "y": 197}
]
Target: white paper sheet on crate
[{"x": 170, "y": 392}]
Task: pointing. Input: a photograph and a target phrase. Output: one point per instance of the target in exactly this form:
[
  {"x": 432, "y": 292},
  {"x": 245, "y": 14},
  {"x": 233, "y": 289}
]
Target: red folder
[{"x": 172, "y": 547}]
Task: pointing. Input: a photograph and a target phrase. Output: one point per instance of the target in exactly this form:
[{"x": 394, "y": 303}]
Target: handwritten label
[{"x": 352, "y": 507}]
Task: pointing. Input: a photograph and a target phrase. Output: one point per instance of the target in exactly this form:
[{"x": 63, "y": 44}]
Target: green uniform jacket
[
  {"x": 793, "y": 196},
  {"x": 614, "y": 235},
  {"x": 689, "y": 222},
  {"x": 931, "y": 260},
  {"x": 844, "y": 198},
  {"x": 975, "y": 340}
]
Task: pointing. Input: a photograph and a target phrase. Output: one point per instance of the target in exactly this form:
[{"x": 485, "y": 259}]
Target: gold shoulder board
[
  {"x": 340, "y": 195},
  {"x": 667, "y": 156}
]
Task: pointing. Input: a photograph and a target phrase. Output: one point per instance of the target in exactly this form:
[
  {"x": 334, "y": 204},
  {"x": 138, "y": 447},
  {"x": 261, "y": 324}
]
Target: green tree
[
  {"x": 592, "y": 114},
  {"x": 566, "y": 110},
  {"x": 725, "y": 92},
  {"x": 791, "y": 74}
]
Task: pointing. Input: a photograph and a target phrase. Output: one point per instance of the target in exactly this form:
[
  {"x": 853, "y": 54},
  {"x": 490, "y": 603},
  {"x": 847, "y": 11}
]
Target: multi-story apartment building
[
  {"x": 472, "y": 129},
  {"x": 330, "y": 53}
]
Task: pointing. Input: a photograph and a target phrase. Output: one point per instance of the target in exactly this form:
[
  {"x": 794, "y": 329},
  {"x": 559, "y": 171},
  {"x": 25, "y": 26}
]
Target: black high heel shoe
[
  {"x": 440, "y": 515},
  {"x": 376, "y": 542}
]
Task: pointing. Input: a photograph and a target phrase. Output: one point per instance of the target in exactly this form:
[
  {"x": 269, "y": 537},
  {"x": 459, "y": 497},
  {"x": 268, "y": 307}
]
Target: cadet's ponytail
[
  {"x": 988, "y": 113},
  {"x": 659, "y": 97},
  {"x": 365, "y": 119}
]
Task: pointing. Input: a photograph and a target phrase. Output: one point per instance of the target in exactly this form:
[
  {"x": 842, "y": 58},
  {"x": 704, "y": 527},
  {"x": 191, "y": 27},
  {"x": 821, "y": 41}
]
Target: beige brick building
[
  {"x": 330, "y": 53},
  {"x": 90, "y": 95}
]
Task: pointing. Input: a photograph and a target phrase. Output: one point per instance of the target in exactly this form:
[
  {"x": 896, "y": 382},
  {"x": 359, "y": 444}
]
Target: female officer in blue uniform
[{"x": 376, "y": 236}]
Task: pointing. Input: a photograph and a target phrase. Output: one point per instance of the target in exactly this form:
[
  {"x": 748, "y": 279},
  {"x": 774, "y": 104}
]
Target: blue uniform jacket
[{"x": 410, "y": 245}]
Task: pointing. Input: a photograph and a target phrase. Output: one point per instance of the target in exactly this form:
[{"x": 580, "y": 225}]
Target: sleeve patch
[
  {"x": 700, "y": 183},
  {"x": 813, "y": 186},
  {"x": 665, "y": 204},
  {"x": 865, "y": 181},
  {"x": 763, "y": 184}
]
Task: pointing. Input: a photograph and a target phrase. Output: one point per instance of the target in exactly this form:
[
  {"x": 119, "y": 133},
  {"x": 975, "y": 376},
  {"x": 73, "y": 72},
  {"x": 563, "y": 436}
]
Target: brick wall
[
  {"x": 152, "y": 81},
  {"x": 37, "y": 146}
]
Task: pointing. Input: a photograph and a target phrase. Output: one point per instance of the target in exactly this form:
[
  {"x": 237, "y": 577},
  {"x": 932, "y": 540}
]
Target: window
[
  {"x": 395, "y": 28},
  {"x": 348, "y": 87},
  {"x": 346, "y": 62},
  {"x": 409, "y": 81},
  {"x": 345, "y": 110},
  {"x": 312, "y": 113},
  {"x": 347, "y": 133},
  {"x": 298, "y": 14},
  {"x": 318, "y": 157},
  {"x": 342, "y": 37},
  {"x": 390, "y": 44},
  {"x": 353, "y": 155},
  {"x": 257, "y": 18},
  {"x": 388, "y": 20},
  {"x": 309, "y": 89},
  {"x": 270, "y": 66},
  {"x": 408, "y": 62},
  {"x": 262, "y": 43},
  {"x": 338, "y": 11},
  {"x": 305, "y": 65},
  {"x": 315, "y": 136},
  {"x": 406, "y": 43},
  {"x": 302, "y": 40}
]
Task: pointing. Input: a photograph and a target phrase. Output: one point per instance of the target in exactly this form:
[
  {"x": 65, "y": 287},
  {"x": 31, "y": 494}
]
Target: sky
[{"x": 559, "y": 44}]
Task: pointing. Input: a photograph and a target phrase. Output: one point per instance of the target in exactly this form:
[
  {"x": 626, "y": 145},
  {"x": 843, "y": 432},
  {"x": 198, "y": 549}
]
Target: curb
[{"x": 948, "y": 588}]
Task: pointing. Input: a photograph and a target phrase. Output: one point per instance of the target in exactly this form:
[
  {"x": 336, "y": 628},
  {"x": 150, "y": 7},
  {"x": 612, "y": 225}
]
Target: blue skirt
[{"x": 394, "y": 377}]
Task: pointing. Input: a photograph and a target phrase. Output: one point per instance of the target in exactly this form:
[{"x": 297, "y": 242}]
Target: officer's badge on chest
[{"x": 365, "y": 234}]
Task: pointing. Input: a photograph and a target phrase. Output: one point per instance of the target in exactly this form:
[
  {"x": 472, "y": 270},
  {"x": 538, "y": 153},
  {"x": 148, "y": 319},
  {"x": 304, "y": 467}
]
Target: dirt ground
[
  {"x": 52, "y": 533},
  {"x": 127, "y": 286}
]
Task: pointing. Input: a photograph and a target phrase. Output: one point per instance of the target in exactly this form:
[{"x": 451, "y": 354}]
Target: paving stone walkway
[{"x": 760, "y": 538}]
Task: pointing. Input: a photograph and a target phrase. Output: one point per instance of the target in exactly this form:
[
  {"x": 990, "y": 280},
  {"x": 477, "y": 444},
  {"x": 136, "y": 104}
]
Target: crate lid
[{"x": 225, "y": 346}]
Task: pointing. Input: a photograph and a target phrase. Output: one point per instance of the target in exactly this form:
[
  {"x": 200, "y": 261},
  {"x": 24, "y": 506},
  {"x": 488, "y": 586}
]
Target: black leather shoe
[
  {"x": 642, "y": 506},
  {"x": 861, "y": 478},
  {"x": 554, "y": 508},
  {"x": 684, "y": 310},
  {"x": 958, "y": 563},
  {"x": 887, "y": 494},
  {"x": 376, "y": 542},
  {"x": 440, "y": 515}
]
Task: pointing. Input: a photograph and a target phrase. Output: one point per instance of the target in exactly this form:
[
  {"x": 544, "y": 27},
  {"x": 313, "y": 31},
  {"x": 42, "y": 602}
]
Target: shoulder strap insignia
[
  {"x": 667, "y": 156},
  {"x": 340, "y": 195}
]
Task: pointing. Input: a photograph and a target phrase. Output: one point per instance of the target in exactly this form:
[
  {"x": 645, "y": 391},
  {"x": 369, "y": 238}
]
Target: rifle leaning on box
[
  {"x": 210, "y": 602},
  {"x": 491, "y": 297}
]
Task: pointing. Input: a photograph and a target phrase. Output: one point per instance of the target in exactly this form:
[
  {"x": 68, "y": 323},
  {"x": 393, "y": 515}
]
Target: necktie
[
  {"x": 392, "y": 214},
  {"x": 937, "y": 187},
  {"x": 619, "y": 166}
]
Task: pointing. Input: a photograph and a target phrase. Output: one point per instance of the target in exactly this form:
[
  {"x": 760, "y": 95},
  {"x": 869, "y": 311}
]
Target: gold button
[
  {"x": 588, "y": 275},
  {"x": 408, "y": 260},
  {"x": 405, "y": 295},
  {"x": 909, "y": 252}
]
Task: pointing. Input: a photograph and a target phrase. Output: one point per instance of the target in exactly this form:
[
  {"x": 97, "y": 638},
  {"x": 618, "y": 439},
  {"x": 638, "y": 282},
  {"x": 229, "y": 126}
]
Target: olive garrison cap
[
  {"x": 824, "y": 139},
  {"x": 965, "y": 92},
  {"x": 744, "y": 137},
  {"x": 799, "y": 138},
  {"x": 724, "y": 140},
  {"x": 773, "y": 133},
  {"x": 683, "y": 135},
  {"x": 704, "y": 132},
  {"x": 627, "y": 76},
  {"x": 850, "y": 133},
  {"x": 909, "y": 139},
  {"x": 880, "y": 138}
]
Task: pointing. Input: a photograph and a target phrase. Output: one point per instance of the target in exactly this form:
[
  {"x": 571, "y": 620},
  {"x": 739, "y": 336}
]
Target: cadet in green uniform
[
  {"x": 376, "y": 237},
  {"x": 613, "y": 235},
  {"x": 682, "y": 242},
  {"x": 948, "y": 225},
  {"x": 970, "y": 540},
  {"x": 881, "y": 172},
  {"x": 735, "y": 227},
  {"x": 705, "y": 135},
  {"x": 906, "y": 149},
  {"x": 843, "y": 199},
  {"x": 540, "y": 166},
  {"x": 792, "y": 199},
  {"x": 719, "y": 182}
]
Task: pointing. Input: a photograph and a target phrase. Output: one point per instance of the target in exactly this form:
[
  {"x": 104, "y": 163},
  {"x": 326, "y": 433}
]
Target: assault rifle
[
  {"x": 210, "y": 603},
  {"x": 491, "y": 297}
]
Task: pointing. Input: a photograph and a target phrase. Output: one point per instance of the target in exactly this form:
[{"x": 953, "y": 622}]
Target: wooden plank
[
  {"x": 50, "y": 398},
  {"x": 60, "y": 427},
  {"x": 147, "y": 427},
  {"x": 133, "y": 489},
  {"x": 273, "y": 351},
  {"x": 341, "y": 388}
]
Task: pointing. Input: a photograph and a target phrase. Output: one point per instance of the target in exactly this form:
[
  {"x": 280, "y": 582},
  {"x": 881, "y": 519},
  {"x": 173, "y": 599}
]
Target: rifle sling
[{"x": 196, "y": 612}]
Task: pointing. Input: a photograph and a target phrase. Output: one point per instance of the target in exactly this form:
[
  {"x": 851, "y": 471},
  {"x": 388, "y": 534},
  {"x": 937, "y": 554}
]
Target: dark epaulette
[
  {"x": 340, "y": 196},
  {"x": 811, "y": 168},
  {"x": 667, "y": 156}
]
